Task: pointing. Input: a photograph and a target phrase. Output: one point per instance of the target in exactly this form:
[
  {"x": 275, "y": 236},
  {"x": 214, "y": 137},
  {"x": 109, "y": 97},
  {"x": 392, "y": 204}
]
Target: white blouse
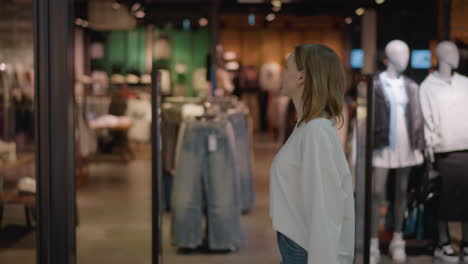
[{"x": 311, "y": 193}]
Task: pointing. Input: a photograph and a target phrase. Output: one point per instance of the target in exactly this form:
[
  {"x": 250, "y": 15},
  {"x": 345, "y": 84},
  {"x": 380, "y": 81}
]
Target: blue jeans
[
  {"x": 291, "y": 252},
  {"x": 243, "y": 159},
  {"x": 206, "y": 177}
]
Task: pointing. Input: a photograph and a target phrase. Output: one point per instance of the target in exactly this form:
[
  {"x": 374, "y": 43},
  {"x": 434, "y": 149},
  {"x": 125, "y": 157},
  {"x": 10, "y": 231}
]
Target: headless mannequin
[
  {"x": 449, "y": 58},
  {"x": 397, "y": 53}
]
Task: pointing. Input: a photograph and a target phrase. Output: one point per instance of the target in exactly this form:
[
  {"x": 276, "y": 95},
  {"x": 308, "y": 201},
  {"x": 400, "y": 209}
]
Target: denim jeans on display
[
  {"x": 243, "y": 159},
  {"x": 206, "y": 177},
  {"x": 291, "y": 252}
]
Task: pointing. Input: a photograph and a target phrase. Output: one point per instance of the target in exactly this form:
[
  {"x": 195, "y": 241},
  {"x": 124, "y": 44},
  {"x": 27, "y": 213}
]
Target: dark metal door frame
[
  {"x": 368, "y": 169},
  {"x": 55, "y": 142},
  {"x": 156, "y": 171}
]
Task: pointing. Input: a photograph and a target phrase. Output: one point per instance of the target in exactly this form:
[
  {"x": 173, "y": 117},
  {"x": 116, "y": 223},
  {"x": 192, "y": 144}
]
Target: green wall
[{"x": 126, "y": 50}]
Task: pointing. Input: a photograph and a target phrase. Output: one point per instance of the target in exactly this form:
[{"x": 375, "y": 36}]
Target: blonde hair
[{"x": 324, "y": 85}]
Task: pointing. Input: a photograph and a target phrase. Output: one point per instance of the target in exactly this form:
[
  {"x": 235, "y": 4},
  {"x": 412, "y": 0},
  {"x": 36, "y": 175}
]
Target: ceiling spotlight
[
  {"x": 360, "y": 11},
  {"x": 379, "y": 2},
  {"x": 270, "y": 17},
  {"x": 230, "y": 55},
  {"x": 348, "y": 20},
  {"x": 232, "y": 66},
  {"x": 2, "y": 66},
  {"x": 203, "y": 22},
  {"x": 276, "y": 3},
  {"x": 136, "y": 6},
  {"x": 116, "y": 5},
  {"x": 140, "y": 14},
  {"x": 276, "y": 9}
]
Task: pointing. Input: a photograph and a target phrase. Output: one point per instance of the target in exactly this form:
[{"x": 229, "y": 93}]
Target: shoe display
[
  {"x": 397, "y": 250},
  {"x": 446, "y": 253}
]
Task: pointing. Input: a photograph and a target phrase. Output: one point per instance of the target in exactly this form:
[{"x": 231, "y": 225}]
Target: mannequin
[
  {"x": 444, "y": 94},
  {"x": 397, "y": 145}
]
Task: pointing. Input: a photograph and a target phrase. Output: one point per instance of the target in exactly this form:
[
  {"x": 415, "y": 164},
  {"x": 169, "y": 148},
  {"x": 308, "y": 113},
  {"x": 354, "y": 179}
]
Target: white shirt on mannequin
[{"x": 445, "y": 108}]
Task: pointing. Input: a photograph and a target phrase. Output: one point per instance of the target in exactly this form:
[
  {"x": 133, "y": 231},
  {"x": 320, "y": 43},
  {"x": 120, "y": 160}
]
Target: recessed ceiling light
[
  {"x": 276, "y": 3},
  {"x": 230, "y": 55},
  {"x": 360, "y": 11},
  {"x": 140, "y": 14},
  {"x": 270, "y": 17},
  {"x": 203, "y": 22},
  {"x": 379, "y": 2},
  {"x": 349, "y": 20}
]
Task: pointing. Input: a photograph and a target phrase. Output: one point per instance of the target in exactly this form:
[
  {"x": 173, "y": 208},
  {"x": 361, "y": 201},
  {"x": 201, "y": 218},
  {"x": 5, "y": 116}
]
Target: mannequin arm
[{"x": 431, "y": 121}]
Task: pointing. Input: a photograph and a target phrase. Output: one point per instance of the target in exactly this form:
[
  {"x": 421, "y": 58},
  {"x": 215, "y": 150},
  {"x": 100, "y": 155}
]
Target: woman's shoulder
[{"x": 317, "y": 124}]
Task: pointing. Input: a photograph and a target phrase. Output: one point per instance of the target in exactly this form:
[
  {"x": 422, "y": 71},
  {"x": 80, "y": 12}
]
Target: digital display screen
[
  {"x": 357, "y": 58},
  {"x": 421, "y": 59}
]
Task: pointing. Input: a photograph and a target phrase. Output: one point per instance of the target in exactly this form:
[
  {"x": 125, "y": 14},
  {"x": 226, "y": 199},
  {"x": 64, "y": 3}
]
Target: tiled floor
[{"x": 115, "y": 226}]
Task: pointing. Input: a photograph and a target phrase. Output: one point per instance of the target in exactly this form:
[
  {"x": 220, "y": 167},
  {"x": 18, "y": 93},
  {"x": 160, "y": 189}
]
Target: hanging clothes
[
  {"x": 206, "y": 168},
  {"x": 139, "y": 111},
  {"x": 86, "y": 136},
  {"x": 224, "y": 81},
  {"x": 243, "y": 154},
  {"x": 162, "y": 47},
  {"x": 200, "y": 83},
  {"x": 248, "y": 80},
  {"x": 270, "y": 77}
]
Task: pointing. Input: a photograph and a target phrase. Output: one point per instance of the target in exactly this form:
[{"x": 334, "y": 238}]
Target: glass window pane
[{"x": 17, "y": 142}]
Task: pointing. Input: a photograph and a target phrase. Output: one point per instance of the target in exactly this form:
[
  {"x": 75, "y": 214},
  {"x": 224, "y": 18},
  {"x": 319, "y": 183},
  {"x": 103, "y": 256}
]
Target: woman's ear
[{"x": 301, "y": 77}]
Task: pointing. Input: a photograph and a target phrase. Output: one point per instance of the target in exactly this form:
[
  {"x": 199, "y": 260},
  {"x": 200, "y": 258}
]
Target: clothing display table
[
  {"x": 11, "y": 196},
  {"x": 118, "y": 126}
]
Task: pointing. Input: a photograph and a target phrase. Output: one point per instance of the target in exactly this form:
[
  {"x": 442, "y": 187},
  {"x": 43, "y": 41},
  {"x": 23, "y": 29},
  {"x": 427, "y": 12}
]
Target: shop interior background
[{"x": 211, "y": 57}]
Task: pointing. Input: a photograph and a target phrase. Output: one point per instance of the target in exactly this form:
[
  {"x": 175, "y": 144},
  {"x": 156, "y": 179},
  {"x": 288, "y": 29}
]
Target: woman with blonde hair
[{"x": 312, "y": 202}]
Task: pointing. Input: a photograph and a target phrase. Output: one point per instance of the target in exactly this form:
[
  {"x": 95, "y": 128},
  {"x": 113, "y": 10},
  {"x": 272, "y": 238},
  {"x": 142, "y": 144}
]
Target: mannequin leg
[
  {"x": 378, "y": 196},
  {"x": 444, "y": 233},
  {"x": 444, "y": 249},
  {"x": 402, "y": 176}
]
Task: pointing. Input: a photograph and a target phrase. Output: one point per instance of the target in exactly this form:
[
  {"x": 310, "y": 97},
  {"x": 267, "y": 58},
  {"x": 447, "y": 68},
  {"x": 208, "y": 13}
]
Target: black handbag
[{"x": 429, "y": 189}]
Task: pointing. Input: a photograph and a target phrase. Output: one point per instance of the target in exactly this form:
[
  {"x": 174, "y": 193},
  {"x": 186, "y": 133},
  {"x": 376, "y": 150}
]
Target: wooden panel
[
  {"x": 311, "y": 22},
  {"x": 250, "y": 53},
  {"x": 234, "y": 20},
  {"x": 459, "y": 23},
  {"x": 285, "y": 22},
  {"x": 334, "y": 40},
  {"x": 290, "y": 39},
  {"x": 271, "y": 47},
  {"x": 312, "y": 37},
  {"x": 231, "y": 41}
]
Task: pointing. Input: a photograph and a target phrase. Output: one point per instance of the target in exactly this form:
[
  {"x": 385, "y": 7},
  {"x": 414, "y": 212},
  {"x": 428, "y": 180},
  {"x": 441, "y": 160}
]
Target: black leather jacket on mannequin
[{"x": 414, "y": 115}]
